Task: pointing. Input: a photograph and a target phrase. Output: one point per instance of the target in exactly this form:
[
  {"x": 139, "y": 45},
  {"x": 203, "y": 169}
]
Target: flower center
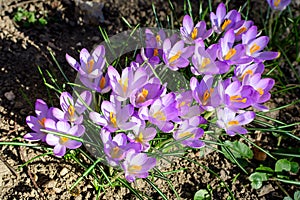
[
  {"x": 102, "y": 82},
  {"x": 134, "y": 168},
  {"x": 238, "y": 98},
  {"x": 241, "y": 30},
  {"x": 230, "y": 53},
  {"x": 140, "y": 138},
  {"x": 113, "y": 119},
  {"x": 90, "y": 66},
  {"x": 142, "y": 96},
  {"x": 187, "y": 134},
  {"x": 157, "y": 38},
  {"x": 155, "y": 52},
  {"x": 249, "y": 71},
  {"x": 159, "y": 115},
  {"x": 207, "y": 95},
  {"x": 233, "y": 122},
  {"x": 175, "y": 57},
  {"x": 42, "y": 122},
  {"x": 124, "y": 85},
  {"x": 194, "y": 33},
  {"x": 115, "y": 152},
  {"x": 205, "y": 62},
  {"x": 71, "y": 110},
  {"x": 260, "y": 91},
  {"x": 276, "y": 3},
  {"x": 225, "y": 24},
  {"x": 63, "y": 140},
  {"x": 254, "y": 48}
]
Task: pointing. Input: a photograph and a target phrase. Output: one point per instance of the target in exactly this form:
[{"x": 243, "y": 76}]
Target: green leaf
[
  {"x": 42, "y": 21},
  {"x": 202, "y": 195},
  {"x": 282, "y": 164},
  {"x": 287, "y": 198},
  {"x": 294, "y": 167},
  {"x": 265, "y": 169},
  {"x": 297, "y": 195},
  {"x": 239, "y": 149},
  {"x": 31, "y": 17},
  {"x": 257, "y": 178}
]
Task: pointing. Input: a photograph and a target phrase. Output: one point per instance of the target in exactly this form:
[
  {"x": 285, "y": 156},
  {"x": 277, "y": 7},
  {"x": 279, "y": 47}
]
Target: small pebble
[{"x": 10, "y": 95}]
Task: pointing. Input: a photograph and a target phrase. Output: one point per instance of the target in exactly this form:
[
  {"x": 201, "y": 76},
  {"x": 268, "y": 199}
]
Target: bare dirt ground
[{"x": 70, "y": 28}]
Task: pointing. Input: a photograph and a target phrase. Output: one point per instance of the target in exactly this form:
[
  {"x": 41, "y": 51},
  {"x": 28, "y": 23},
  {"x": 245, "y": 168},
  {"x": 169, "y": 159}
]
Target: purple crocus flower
[
  {"x": 124, "y": 85},
  {"x": 161, "y": 112},
  {"x": 184, "y": 106},
  {"x": 142, "y": 135},
  {"x": 115, "y": 148},
  {"x": 254, "y": 46},
  {"x": 72, "y": 111},
  {"x": 191, "y": 33},
  {"x": 242, "y": 70},
  {"x": 37, "y": 123},
  {"x": 204, "y": 61},
  {"x": 232, "y": 54},
  {"x": 61, "y": 143},
  {"x": 222, "y": 21},
  {"x": 177, "y": 56},
  {"x": 137, "y": 165},
  {"x": 90, "y": 66},
  {"x": 113, "y": 116},
  {"x": 145, "y": 95},
  {"x": 278, "y": 4},
  {"x": 241, "y": 28},
  {"x": 189, "y": 132},
  {"x": 100, "y": 84},
  {"x": 262, "y": 86},
  {"x": 205, "y": 94},
  {"x": 232, "y": 123}
]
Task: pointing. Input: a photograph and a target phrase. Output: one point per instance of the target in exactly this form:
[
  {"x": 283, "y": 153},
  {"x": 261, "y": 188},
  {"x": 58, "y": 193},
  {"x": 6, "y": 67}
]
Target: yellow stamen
[
  {"x": 114, "y": 153},
  {"x": 63, "y": 139},
  {"x": 175, "y": 57},
  {"x": 225, "y": 24},
  {"x": 254, "y": 48},
  {"x": 260, "y": 91},
  {"x": 237, "y": 98},
  {"x": 233, "y": 122},
  {"x": 42, "y": 122},
  {"x": 241, "y": 30},
  {"x": 134, "y": 168},
  {"x": 124, "y": 85},
  {"x": 157, "y": 38},
  {"x": 159, "y": 115},
  {"x": 113, "y": 119},
  {"x": 71, "y": 110},
  {"x": 185, "y": 134},
  {"x": 194, "y": 33},
  {"x": 182, "y": 104},
  {"x": 249, "y": 71},
  {"x": 155, "y": 52},
  {"x": 140, "y": 138},
  {"x": 230, "y": 53},
  {"x": 205, "y": 62},
  {"x": 102, "y": 82},
  {"x": 90, "y": 65},
  {"x": 142, "y": 96},
  {"x": 276, "y": 3},
  {"x": 207, "y": 95}
]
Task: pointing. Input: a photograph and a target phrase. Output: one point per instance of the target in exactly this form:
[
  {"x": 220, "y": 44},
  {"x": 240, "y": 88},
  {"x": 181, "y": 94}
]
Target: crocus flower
[
  {"x": 113, "y": 116},
  {"x": 204, "y": 61},
  {"x": 61, "y": 143},
  {"x": 72, "y": 111},
  {"x": 161, "y": 112},
  {"x": 232, "y": 123},
  {"x": 177, "y": 56},
  {"x": 242, "y": 70},
  {"x": 137, "y": 165},
  {"x": 254, "y": 46},
  {"x": 184, "y": 106},
  {"x": 115, "y": 148},
  {"x": 191, "y": 33},
  {"x": 100, "y": 84},
  {"x": 241, "y": 28},
  {"x": 142, "y": 135},
  {"x": 37, "y": 123},
  {"x": 130, "y": 80},
  {"x": 262, "y": 86},
  {"x": 148, "y": 93},
  {"x": 204, "y": 93},
  {"x": 278, "y": 4},
  {"x": 189, "y": 133},
  {"x": 222, "y": 21},
  {"x": 232, "y": 54},
  {"x": 90, "y": 66}
]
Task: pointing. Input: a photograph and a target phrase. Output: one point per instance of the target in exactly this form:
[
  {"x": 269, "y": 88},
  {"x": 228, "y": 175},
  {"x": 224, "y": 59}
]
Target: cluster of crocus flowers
[{"x": 140, "y": 106}]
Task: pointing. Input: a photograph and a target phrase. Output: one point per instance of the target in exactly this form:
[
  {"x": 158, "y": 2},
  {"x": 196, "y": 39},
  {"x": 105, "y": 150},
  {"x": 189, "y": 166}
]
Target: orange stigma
[{"x": 225, "y": 24}]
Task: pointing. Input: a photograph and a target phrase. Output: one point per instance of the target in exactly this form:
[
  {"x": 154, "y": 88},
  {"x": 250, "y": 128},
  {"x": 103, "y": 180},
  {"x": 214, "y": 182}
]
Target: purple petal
[
  {"x": 188, "y": 23},
  {"x": 59, "y": 150}
]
